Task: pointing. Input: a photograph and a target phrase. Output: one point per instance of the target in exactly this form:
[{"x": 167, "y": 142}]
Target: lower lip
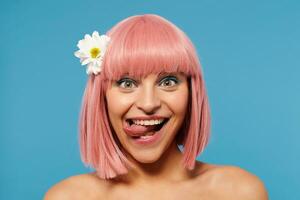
[{"x": 150, "y": 139}]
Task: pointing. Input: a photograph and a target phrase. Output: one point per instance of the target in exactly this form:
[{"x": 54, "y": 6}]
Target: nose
[{"x": 148, "y": 100}]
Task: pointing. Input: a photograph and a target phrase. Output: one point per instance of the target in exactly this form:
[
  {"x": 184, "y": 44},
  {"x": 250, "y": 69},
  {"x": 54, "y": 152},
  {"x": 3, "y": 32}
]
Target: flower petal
[
  {"x": 94, "y": 65},
  {"x": 79, "y": 54},
  {"x": 86, "y": 61},
  {"x": 87, "y": 37},
  {"x": 95, "y": 35},
  {"x": 90, "y": 68}
]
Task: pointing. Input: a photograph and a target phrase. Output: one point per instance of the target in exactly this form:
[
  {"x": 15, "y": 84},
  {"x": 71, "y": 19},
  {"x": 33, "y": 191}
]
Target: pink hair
[{"x": 141, "y": 45}]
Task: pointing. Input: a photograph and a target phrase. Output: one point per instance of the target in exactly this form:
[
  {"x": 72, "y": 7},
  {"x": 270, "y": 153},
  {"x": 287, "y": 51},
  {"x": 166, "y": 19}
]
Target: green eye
[
  {"x": 126, "y": 83},
  {"x": 169, "y": 81}
]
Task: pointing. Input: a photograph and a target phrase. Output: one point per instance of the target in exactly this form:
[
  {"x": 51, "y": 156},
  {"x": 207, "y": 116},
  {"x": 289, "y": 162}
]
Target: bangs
[{"x": 142, "y": 45}]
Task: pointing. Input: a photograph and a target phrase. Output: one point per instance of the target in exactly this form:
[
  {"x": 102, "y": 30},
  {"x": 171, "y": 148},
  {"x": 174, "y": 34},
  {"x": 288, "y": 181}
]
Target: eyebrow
[
  {"x": 159, "y": 76},
  {"x": 166, "y": 73}
]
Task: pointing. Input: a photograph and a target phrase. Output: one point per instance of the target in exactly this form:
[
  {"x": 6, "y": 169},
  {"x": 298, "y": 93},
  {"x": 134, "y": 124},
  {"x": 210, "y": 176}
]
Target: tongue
[
  {"x": 138, "y": 130},
  {"x": 141, "y": 128}
]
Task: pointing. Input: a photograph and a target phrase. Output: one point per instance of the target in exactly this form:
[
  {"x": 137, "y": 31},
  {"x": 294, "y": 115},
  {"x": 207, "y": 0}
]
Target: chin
[{"x": 146, "y": 157}]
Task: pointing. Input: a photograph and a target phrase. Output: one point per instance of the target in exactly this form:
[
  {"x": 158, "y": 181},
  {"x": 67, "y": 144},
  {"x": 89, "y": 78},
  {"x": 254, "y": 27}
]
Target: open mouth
[{"x": 139, "y": 130}]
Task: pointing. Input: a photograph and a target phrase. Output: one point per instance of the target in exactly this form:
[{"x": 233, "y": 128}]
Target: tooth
[
  {"x": 147, "y": 122},
  {"x": 144, "y": 137},
  {"x": 149, "y": 134}
]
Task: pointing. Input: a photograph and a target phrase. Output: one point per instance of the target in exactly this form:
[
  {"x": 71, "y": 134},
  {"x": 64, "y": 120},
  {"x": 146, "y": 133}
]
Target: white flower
[{"x": 91, "y": 51}]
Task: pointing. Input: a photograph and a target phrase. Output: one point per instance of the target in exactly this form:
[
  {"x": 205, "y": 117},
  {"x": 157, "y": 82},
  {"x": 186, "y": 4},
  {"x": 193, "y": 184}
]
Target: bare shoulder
[
  {"x": 83, "y": 186},
  {"x": 233, "y": 182}
]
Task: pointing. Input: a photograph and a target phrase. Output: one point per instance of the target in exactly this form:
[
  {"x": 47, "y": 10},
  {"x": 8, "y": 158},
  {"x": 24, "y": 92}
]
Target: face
[{"x": 136, "y": 107}]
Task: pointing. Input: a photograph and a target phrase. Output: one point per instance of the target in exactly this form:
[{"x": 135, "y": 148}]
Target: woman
[{"x": 144, "y": 97}]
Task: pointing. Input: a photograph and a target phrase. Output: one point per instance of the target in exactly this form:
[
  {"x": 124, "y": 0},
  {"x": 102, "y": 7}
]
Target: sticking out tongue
[
  {"x": 139, "y": 130},
  {"x": 142, "y": 129}
]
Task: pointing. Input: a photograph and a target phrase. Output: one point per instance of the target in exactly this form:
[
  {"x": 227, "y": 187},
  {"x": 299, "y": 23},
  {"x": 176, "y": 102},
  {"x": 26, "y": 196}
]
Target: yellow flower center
[{"x": 94, "y": 52}]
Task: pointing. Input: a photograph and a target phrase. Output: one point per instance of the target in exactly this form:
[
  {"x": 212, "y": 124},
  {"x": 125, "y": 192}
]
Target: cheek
[
  {"x": 117, "y": 103},
  {"x": 177, "y": 102}
]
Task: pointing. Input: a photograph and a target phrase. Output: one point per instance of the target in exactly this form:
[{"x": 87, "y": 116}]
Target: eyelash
[
  {"x": 124, "y": 80},
  {"x": 172, "y": 78},
  {"x": 128, "y": 80}
]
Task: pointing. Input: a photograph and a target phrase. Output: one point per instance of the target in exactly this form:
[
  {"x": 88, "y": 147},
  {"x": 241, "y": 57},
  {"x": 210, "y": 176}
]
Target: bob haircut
[{"x": 141, "y": 45}]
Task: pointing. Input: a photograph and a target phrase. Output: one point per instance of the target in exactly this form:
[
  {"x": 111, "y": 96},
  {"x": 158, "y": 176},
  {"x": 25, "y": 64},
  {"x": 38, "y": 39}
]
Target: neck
[{"x": 167, "y": 169}]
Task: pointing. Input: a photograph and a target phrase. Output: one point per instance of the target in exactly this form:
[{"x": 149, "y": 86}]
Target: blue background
[{"x": 250, "y": 56}]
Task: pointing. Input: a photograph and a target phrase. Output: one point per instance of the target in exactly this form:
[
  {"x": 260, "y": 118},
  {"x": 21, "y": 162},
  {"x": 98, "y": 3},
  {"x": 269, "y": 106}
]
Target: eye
[
  {"x": 169, "y": 81},
  {"x": 126, "y": 83}
]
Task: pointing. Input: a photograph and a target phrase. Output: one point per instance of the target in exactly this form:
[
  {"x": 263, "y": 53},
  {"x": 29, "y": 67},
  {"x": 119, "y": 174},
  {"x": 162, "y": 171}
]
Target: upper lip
[{"x": 153, "y": 117}]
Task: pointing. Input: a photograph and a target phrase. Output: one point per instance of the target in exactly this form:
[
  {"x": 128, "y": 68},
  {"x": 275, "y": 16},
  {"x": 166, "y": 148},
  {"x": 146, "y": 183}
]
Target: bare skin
[
  {"x": 158, "y": 172},
  {"x": 205, "y": 182},
  {"x": 210, "y": 183}
]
